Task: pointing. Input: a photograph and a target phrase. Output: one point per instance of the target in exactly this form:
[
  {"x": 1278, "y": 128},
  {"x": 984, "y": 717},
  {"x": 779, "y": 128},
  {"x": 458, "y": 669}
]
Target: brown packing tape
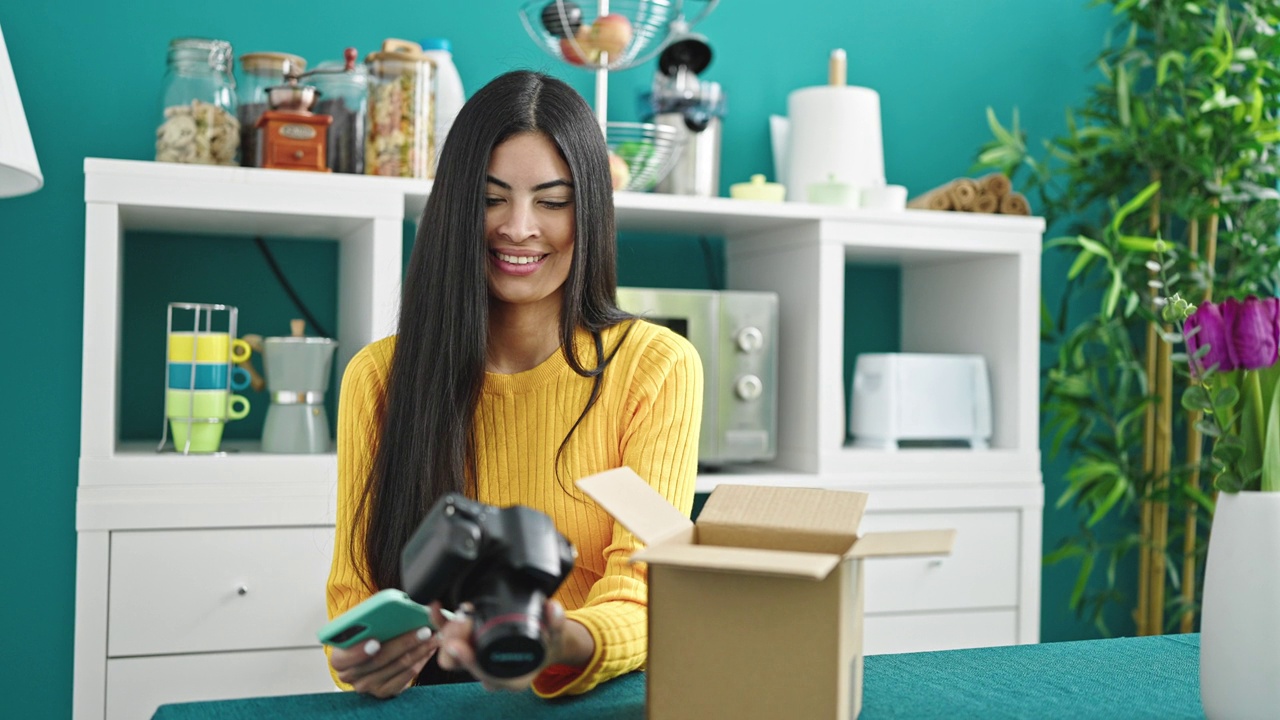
[
  {"x": 1015, "y": 203},
  {"x": 996, "y": 184}
]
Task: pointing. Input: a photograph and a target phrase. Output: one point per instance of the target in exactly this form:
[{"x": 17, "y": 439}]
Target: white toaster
[{"x": 918, "y": 399}]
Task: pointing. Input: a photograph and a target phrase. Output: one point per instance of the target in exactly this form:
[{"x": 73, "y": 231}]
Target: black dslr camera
[{"x": 506, "y": 562}]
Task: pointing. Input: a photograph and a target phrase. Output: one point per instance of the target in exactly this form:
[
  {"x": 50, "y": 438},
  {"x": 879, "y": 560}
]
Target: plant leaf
[
  {"x": 1132, "y": 206},
  {"x": 1195, "y": 398},
  {"x": 1271, "y": 446},
  {"x": 1117, "y": 492}
]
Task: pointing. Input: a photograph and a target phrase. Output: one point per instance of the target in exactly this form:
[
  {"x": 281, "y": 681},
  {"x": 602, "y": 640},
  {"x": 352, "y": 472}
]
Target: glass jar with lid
[
  {"x": 198, "y": 122},
  {"x": 259, "y": 71},
  {"x": 344, "y": 87},
  {"x": 401, "y": 132}
]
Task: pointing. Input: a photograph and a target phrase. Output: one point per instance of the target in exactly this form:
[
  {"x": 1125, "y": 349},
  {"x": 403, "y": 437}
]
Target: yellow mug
[{"x": 210, "y": 347}]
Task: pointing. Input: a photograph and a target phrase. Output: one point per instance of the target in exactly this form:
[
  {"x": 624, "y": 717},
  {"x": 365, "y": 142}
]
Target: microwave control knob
[
  {"x": 748, "y": 387},
  {"x": 750, "y": 339}
]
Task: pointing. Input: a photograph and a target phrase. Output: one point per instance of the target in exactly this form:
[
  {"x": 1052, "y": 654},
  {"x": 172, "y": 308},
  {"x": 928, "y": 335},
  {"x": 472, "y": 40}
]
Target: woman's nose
[{"x": 519, "y": 223}]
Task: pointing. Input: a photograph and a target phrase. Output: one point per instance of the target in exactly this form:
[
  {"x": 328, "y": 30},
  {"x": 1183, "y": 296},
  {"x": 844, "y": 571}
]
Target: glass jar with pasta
[
  {"x": 198, "y": 118},
  {"x": 400, "y": 139}
]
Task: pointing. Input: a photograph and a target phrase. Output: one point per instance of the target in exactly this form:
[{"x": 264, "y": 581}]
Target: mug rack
[{"x": 202, "y": 325}]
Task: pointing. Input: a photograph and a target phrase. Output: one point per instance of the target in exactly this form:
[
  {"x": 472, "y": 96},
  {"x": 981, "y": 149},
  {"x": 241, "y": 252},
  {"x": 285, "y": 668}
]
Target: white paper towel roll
[{"x": 835, "y": 130}]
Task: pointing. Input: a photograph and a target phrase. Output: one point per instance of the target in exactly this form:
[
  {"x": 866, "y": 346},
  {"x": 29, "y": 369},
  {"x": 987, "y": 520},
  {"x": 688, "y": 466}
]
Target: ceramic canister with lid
[
  {"x": 198, "y": 120},
  {"x": 401, "y": 134}
]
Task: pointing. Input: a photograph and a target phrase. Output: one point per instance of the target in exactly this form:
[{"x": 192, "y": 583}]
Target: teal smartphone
[{"x": 385, "y": 615}]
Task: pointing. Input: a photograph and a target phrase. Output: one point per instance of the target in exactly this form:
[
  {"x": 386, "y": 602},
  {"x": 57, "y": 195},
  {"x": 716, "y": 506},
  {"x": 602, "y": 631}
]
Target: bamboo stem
[
  {"x": 1160, "y": 508},
  {"x": 1195, "y": 449},
  {"x": 1150, "y": 451},
  {"x": 1142, "y": 613}
]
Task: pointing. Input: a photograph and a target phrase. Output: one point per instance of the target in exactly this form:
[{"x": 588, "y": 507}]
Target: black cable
[
  {"x": 713, "y": 277},
  {"x": 284, "y": 282}
]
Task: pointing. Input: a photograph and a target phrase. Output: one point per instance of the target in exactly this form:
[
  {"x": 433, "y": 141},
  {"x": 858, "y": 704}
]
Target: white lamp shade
[{"x": 19, "y": 169}]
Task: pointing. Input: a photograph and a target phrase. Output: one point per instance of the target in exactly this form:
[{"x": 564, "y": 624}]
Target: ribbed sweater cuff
[{"x": 620, "y": 637}]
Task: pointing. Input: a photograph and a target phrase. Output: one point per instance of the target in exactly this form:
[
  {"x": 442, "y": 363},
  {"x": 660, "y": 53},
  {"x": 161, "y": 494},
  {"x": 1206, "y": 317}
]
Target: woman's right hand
[{"x": 387, "y": 669}]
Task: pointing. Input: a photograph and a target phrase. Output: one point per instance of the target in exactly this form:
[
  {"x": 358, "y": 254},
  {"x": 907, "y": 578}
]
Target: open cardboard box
[{"x": 755, "y": 612}]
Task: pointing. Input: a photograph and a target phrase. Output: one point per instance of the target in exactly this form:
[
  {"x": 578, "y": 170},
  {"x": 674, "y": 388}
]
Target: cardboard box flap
[
  {"x": 634, "y": 503},
  {"x": 781, "y": 518},
  {"x": 801, "y": 565},
  {"x": 905, "y": 542}
]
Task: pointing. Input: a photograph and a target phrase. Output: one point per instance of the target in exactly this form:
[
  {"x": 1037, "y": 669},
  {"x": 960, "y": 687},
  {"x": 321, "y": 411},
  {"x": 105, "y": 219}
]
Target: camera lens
[
  {"x": 510, "y": 648},
  {"x": 510, "y": 635}
]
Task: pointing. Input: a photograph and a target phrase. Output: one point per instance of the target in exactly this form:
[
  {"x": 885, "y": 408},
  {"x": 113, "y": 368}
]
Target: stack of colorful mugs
[{"x": 199, "y": 397}]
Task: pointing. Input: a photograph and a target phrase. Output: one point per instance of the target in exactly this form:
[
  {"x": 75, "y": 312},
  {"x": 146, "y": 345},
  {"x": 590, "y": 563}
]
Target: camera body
[{"x": 505, "y": 561}]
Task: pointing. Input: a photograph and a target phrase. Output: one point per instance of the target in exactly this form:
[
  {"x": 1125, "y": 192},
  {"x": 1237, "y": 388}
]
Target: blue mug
[{"x": 209, "y": 376}]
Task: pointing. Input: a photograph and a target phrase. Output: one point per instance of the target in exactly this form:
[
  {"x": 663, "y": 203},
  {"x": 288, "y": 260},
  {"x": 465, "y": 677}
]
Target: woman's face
[{"x": 528, "y": 221}]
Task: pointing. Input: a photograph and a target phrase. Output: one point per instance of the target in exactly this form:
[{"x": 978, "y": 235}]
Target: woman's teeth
[{"x": 518, "y": 259}]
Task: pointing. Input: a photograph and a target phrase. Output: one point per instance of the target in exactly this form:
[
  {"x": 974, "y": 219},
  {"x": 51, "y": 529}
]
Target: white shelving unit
[{"x": 182, "y": 586}]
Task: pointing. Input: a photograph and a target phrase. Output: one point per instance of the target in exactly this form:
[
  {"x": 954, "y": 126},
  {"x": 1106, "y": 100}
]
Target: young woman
[{"x": 512, "y": 375}]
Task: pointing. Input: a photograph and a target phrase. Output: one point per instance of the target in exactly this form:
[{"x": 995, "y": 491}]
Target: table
[{"x": 1138, "y": 678}]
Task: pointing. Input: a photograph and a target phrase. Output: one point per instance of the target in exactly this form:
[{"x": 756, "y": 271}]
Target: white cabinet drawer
[
  {"x": 185, "y": 591},
  {"x": 980, "y": 572},
  {"x": 137, "y": 686},
  {"x": 921, "y": 632}
]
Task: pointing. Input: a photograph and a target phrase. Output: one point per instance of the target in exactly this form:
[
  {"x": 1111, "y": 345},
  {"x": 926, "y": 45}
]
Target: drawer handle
[
  {"x": 936, "y": 562},
  {"x": 242, "y": 590}
]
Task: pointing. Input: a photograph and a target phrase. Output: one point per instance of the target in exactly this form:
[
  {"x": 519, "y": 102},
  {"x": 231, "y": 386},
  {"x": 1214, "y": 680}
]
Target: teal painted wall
[{"x": 90, "y": 74}]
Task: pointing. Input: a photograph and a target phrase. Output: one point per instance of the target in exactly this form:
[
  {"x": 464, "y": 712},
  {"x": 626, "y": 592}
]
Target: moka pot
[{"x": 297, "y": 373}]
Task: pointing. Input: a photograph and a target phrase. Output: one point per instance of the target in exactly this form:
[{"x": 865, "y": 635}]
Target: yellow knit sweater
[{"x": 647, "y": 418}]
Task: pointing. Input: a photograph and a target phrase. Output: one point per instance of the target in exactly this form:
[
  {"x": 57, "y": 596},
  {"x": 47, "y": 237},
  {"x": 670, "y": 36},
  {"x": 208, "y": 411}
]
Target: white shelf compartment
[
  {"x": 970, "y": 284},
  {"x": 365, "y": 215}
]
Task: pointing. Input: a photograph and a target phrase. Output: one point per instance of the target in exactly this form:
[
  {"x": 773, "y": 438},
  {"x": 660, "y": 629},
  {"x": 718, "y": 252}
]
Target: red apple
[
  {"x": 619, "y": 171},
  {"x": 579, "y": 50},
  {"x": 611, "y": 33}
]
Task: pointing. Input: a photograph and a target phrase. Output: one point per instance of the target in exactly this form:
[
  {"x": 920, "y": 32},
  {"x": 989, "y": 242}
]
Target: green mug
[{"x": 196, "y": 417}]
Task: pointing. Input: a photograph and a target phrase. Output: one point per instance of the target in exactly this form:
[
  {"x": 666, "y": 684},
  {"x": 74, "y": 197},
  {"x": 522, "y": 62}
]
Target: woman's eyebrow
[{"x": 558, "y": 182}]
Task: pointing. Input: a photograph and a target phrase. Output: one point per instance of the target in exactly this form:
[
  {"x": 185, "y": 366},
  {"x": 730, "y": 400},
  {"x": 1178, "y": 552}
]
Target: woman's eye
[
  {"x": 555, "y": 204},
  {"x": 490, "y": 201}
]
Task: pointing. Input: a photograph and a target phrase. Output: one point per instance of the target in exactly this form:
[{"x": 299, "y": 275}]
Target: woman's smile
[{"x": 517, "y": 263}]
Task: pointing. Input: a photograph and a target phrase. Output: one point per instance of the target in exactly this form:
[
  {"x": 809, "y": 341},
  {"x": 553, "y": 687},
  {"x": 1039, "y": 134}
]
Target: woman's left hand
[{"x": 457, "y": 652}]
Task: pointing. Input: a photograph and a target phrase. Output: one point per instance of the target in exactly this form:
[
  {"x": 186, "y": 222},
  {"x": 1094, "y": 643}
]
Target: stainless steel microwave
[{"x": 736, "y": 334}]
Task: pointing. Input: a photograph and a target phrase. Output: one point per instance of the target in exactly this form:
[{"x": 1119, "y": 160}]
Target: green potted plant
[
  {"x": 1234, "y": 371},
  {"x": 1163, "y": 183}
]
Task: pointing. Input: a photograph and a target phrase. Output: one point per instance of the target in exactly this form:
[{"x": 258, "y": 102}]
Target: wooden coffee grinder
[{"x": 290, "y": 136}]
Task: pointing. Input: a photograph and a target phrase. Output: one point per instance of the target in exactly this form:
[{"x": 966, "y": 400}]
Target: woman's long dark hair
[{"x": 426, "y": 447}]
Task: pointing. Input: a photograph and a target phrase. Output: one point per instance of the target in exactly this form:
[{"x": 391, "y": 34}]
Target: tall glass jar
[
  {"x": 198, "y": 122},
  {"x": 344, "y": 89},
  {"x": 259, "y": 71},
  {"x": 401, "y": 133}
]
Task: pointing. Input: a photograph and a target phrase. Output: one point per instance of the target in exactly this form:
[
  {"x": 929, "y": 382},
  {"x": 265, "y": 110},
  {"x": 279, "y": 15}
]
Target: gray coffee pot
[{"x": 297, "y": 374}]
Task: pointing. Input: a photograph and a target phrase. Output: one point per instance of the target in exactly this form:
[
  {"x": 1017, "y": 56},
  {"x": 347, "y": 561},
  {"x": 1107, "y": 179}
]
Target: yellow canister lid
[{"x": 758, "y": 189}]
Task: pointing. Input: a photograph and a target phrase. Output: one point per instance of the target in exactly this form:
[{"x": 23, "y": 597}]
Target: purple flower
[
  {"x": 1239, "y": 334},
  {"x": 1212, "y": 332},
  {"x": 1253, "y": 330}
]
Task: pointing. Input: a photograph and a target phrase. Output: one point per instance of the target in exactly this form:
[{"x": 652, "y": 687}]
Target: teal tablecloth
[{"x": 1138, "y": 678}]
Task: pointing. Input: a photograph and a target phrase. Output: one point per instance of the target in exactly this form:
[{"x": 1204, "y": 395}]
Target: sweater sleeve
[
  {"x": 359, "y": 401},
  {"x": 659, "y": 440}
]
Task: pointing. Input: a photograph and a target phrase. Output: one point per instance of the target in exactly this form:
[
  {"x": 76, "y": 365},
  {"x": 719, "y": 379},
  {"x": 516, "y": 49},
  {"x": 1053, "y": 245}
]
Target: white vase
[{"x": 1240, "y": 621}]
